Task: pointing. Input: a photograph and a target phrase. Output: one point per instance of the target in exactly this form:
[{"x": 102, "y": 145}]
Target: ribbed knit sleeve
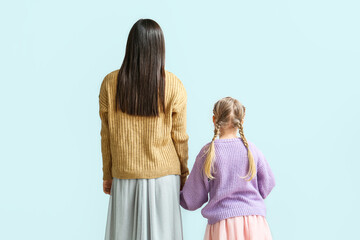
[
  {"x": 105, "y": 136},
  {"x": 195, "y": 191},
  {"x": 178, "y": 129},
  {"x": 265, "y": 177}
]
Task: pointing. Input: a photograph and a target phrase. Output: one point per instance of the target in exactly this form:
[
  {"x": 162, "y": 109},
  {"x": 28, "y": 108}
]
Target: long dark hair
[{"x": 141, "y": 79}]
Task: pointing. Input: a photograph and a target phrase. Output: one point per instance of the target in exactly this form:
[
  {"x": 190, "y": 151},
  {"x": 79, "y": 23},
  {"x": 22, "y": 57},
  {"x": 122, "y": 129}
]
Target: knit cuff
[{"x": 107, "y": 176}]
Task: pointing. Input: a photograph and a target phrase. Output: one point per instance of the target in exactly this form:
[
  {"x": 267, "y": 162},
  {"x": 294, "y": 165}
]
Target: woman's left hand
[{"x": 107, "y": 186}]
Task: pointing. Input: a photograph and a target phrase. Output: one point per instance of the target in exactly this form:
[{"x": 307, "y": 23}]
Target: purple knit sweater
[{"x": 230, "y": 195}]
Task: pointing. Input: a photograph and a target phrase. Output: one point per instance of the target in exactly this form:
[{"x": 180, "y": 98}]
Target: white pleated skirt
[{"x": 144, "y": 209}]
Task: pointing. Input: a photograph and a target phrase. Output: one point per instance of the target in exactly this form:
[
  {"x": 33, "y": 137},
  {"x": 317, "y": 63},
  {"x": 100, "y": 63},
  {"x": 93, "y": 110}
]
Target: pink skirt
[{"x": 239, "y": 228}]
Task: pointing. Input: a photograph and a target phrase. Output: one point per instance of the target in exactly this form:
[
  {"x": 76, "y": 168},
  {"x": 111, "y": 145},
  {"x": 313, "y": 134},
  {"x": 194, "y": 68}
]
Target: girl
[
  {"x": 236, "y": 175},
  {"x": 143, "y": 140}
]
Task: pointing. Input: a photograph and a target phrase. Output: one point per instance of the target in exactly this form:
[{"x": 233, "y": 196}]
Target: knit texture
[
  {"x": 136, "y": 147},
  {"x": 230, "y": 195}
]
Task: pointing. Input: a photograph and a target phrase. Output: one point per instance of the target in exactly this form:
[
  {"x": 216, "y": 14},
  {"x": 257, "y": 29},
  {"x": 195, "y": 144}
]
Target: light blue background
[{"x": 294, "y": 65}]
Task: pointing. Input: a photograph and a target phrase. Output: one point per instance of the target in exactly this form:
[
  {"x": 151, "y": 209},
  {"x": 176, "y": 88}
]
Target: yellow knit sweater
[{"x": 142, "y": 146}]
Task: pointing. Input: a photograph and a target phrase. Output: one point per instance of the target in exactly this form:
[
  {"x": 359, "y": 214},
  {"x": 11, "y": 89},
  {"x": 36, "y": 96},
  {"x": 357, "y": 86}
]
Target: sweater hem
[
  {"x": 144, "y": 176},
  {"x": 235, "y": 213}
]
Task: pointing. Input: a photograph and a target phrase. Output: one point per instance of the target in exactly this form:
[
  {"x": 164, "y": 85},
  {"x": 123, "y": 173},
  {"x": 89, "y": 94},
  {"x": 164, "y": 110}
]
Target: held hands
[{"x": 107, "y": 186}]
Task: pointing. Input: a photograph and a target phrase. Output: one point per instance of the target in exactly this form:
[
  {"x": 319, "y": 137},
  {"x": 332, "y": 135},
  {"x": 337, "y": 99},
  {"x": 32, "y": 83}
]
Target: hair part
[
  {"x": 228, "y": 112},
  {"x": 141, "y": 78}
]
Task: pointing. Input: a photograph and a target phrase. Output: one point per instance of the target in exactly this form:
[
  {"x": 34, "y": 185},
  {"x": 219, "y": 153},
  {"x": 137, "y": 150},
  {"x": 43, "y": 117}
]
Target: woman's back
[{"x": 144, "y": 146}]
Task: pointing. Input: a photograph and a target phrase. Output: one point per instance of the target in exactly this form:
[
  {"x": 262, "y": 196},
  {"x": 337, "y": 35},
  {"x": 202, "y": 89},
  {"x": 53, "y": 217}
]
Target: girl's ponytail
[
  {"x": 211, "y": 154},
  {"x": 252, "y": 168}
]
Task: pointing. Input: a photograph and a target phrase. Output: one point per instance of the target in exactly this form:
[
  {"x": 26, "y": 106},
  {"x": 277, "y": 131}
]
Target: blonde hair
[{"x": 228, "y": 112}]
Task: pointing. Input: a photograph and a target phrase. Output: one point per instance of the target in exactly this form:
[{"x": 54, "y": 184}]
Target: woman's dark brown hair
[{"x": 141, "y": 79}]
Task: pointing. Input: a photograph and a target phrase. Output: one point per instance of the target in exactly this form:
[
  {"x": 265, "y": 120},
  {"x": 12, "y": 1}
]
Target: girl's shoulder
[
  {"x": 257, "y": 153},
  {"x": 252, "y": 146},
  {"x": 201, "y": 156},
  {"x": 204, "y": 150}
]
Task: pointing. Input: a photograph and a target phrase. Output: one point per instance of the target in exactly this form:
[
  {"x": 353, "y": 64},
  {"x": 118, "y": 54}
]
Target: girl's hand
[{"x": 107, "y": 186}]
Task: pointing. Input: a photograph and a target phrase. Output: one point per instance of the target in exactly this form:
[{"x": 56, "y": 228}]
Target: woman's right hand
[{"x": 107, "y": 186}]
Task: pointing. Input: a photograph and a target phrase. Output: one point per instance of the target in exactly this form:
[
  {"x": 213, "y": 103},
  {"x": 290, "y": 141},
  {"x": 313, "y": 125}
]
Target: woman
[{"x": 143, "y": 140}]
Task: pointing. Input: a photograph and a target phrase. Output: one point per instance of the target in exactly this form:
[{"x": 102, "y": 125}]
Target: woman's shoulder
[
  {"x": 110, "y": 80},
  {"x": 171, "y": 76},
  {"x": 174, "y": 87},
  {"x": 111, "y": 76},
  {"x": 172, "y": 79}
]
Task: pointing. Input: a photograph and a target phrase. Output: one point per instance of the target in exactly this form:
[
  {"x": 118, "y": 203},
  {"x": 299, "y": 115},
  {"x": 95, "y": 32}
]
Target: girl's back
[
  {"x": 230, "y": 194},
  {"x": 237, "y": 177}
]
